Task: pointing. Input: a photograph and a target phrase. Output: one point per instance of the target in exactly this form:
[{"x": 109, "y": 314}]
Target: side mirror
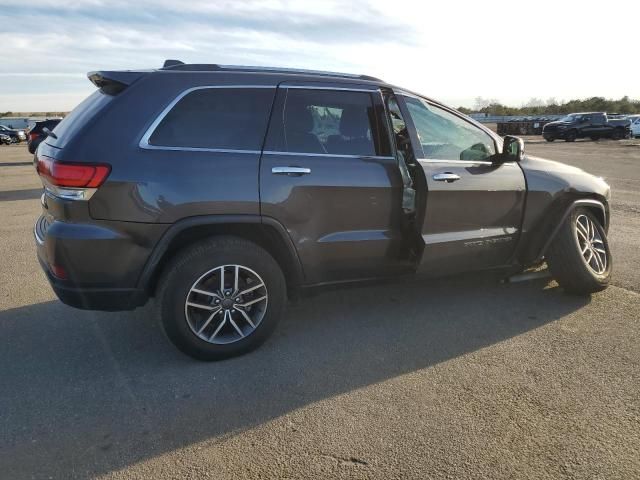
[{"x": 512, "y": 149}]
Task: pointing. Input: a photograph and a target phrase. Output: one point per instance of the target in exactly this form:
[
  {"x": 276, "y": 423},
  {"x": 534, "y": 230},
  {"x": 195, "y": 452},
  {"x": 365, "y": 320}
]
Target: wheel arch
[
  {"x": 537, "y": 246},
  {"x": 263, "y": 231}
]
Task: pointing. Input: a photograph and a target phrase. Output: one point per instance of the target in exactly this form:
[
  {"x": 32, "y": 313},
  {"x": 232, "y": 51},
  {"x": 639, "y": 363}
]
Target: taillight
[
  {"x": 77, "y": 181},
  {"x": 33, "y": 136}
]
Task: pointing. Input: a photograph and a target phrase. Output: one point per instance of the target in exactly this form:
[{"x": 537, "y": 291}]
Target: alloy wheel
[
  {"x": 592, "y": 246},
  {"x": 226, "y": 304}
]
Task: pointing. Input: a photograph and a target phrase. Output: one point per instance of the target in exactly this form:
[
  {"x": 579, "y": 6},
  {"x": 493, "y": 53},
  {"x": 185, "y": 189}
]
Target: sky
[{"x": 452, "y": 50}]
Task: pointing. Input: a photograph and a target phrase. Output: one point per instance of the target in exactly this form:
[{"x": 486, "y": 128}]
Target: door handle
[
  {"x": 446, "y": 177},
  {"x": 291, "y": 171}
]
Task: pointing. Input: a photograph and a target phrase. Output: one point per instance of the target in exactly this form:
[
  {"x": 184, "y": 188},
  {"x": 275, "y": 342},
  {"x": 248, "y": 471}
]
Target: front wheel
[
  {"x": 579, "y": 257},
  {"x": 221, "y": 298}
]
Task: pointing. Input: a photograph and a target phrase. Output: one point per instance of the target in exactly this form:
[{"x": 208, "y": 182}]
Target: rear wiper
[{"x": 49, "y": 133}]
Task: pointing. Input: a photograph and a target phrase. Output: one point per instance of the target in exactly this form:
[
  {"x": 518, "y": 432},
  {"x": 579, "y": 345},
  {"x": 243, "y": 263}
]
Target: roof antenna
[{"x": 171, "y": 63}]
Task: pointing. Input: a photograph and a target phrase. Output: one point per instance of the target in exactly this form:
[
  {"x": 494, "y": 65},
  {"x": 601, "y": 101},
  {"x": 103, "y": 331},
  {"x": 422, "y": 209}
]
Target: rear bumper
[
  {"x": 106, "y": 299},
  {"x": 92, "y": 260}
]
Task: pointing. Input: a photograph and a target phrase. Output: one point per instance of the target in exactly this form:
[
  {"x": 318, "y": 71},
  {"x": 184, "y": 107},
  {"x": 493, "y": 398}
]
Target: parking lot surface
[{"x": 457, "y": 378}]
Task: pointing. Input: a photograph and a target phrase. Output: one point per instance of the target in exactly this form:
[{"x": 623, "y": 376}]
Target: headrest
[{"x": 354, "y": 122}]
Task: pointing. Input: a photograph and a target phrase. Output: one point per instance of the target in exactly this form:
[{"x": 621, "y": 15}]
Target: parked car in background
[
  {"x": 36, "y": 134},
  {"x": 5, "y": 139},
  {"x": 228, "y": 188},
  {"x": 593, "y": 125},
  {"x": 635, "y": 125},
  {"x": 16, "y": 136}
]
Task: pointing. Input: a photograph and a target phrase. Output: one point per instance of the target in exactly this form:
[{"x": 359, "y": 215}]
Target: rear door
[
  {"x": 474, "y": 207},
  {"x": 328, "y": 175},
  {"x": 599, "y": 124}
]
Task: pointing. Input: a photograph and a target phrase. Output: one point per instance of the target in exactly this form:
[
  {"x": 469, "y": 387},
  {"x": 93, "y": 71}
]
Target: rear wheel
[
  {"x": 549, "y": 139},
  {"x": 594, "y": 138},
  {"x": 221, "y": 298},
  {"x": 579, "y": 257},
  {"x": 570, "y": 136},
  {"x": 618, "y": 134}
]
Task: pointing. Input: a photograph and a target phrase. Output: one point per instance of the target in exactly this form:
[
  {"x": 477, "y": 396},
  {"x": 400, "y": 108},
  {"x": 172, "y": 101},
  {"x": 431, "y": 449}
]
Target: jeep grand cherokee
[{"x": 221, "y": 190}]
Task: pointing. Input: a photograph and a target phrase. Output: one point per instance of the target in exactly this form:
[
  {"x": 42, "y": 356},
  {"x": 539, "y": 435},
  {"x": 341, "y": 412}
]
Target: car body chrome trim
[
  {"x": 144, "y": 141},
  {"x": 290, "y": 170},
  {"x": 39, "y": 241},
  {"x": 469, "y": 235}
]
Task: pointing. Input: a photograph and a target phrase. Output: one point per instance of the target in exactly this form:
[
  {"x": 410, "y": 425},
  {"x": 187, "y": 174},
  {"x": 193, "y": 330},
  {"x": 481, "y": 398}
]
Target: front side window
[
  {"x": 446, "y": 136},
  {"x": 328, "y": 122},
  {"x": 571, "y": 118},
  {"x": 217, "y": 118}
]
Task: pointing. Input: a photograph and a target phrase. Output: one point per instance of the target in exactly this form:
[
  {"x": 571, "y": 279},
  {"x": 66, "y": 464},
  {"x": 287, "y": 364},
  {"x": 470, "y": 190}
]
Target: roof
[{"x": 177, "y": 65}]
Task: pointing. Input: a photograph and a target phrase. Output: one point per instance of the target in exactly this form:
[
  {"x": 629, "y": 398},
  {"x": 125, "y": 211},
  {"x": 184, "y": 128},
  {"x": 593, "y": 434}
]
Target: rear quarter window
[{"x": 215, "y": 119}]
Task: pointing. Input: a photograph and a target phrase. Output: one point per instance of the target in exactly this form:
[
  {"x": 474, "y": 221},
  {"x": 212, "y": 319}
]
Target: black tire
[
  {"x": 618, "y": 134},
  {"x": 570, "y": 136},
  {"x": 549, "y": 139},
  {"x": 566, "y": 262},
  {"x": 189, "y": 266},
  {"x": 594, "y": 138}
]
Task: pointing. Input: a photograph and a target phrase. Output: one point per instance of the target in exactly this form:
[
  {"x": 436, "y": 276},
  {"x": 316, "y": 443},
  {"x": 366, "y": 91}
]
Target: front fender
[{"x": 553, "y": 191}]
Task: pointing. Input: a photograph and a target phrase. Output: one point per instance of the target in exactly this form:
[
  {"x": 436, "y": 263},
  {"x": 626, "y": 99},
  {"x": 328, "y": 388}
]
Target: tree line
[{"x": 551, "y": 106}]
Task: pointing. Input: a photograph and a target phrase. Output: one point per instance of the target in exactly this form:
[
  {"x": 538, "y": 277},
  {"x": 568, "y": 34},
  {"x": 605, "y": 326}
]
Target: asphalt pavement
[{"x": 456, "y": 378}]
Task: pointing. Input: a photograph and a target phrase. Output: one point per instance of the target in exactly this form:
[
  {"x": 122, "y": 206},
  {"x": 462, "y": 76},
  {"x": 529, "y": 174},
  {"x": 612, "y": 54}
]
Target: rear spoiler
[{"x": 114, "y": 82}]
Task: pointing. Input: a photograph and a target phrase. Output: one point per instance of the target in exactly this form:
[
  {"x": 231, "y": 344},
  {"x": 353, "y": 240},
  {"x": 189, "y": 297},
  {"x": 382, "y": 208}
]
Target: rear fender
[{"x": 252, "y": 229}]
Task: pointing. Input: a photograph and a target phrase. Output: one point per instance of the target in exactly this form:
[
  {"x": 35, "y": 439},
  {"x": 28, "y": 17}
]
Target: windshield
[{"x": 570, "y": 118}]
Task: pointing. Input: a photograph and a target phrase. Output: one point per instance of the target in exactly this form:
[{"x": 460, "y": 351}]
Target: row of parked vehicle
[
  {"x": 11, "y": 135},
  {"x": 593, "y": 125},
  {"x": 33, "y": 136}
]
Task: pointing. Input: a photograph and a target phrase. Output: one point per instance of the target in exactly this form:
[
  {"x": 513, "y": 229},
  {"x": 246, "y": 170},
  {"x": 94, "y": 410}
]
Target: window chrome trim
[
  {"x": 144, "y": 141},
  {"x": 321, "y": 87},
  {"x": 462, "y": 162},
  {"x": 302, "y": 154},
  {"x": 198, "y": 149}
]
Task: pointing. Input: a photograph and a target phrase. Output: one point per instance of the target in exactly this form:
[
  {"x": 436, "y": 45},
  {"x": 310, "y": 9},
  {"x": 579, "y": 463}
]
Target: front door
[
  {"x": 474, "y": 207},
  {"x": 328, "y": 175}
]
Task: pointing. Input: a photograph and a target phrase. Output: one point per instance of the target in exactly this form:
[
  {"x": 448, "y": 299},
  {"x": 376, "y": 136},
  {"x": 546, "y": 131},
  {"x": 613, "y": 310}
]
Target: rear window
[
  {"x": 78, "y": 118},
  {"x": 216, "y": 118}
]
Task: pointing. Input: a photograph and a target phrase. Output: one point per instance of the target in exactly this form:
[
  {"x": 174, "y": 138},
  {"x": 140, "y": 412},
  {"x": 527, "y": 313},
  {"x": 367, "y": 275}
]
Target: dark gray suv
[{"x": 223, "y": 190}]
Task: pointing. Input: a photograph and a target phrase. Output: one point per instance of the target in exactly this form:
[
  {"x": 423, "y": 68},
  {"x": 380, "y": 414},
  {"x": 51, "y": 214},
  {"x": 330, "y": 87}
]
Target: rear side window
[
  {"x": 216, "y": 118},
  {"x": 325, "y": 122}
]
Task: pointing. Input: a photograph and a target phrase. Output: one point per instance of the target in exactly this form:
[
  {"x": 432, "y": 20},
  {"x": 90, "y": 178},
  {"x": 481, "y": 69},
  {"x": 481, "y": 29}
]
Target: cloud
[
  {"x": 456, "y": 50},
  {"x": 52, "y": 44}
]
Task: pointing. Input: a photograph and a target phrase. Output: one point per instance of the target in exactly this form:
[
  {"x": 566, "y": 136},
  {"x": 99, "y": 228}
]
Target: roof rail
[{"x": 208, "y": 67}]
